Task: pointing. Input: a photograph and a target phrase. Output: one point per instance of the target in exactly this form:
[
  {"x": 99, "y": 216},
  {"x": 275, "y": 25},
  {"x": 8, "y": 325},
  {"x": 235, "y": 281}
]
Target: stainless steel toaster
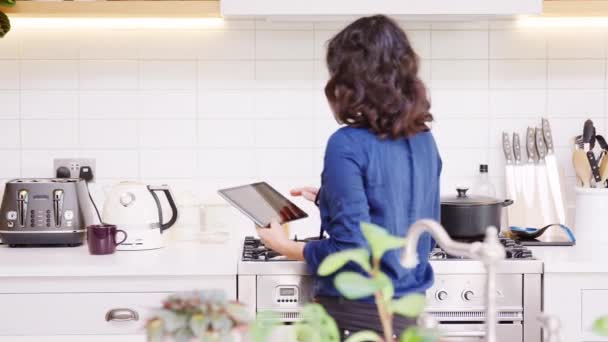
[{"x": 42, "y": 212}]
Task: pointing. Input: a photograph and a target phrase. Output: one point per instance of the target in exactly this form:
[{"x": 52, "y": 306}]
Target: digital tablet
[{"x": 262, "y": 203}]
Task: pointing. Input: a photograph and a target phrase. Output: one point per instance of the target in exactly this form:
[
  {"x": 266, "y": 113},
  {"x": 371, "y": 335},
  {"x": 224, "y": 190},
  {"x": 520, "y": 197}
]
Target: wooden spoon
[
  {"x": 604, "y": 170},
  {"x": 581, "y": 167}
]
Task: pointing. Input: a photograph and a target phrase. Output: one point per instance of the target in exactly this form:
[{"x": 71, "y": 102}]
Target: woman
[{"x": 382, "y": 167}]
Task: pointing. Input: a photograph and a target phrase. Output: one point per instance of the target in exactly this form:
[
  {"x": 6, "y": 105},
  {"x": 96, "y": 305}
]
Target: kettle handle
[{"x": 165, "y": 189}]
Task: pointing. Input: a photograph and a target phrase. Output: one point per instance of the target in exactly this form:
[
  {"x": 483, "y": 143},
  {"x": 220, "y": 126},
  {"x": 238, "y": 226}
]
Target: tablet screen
[{"x": 262, "y": 203}]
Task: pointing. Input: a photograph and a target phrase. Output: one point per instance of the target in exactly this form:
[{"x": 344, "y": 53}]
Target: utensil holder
[{"x": 591, "y": 215}]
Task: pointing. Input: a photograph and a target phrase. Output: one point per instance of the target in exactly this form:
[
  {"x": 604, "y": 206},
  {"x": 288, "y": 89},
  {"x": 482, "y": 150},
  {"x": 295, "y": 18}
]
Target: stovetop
[
  {"x": 514, "y": 250},
  {"x": 254, "y": 250}
]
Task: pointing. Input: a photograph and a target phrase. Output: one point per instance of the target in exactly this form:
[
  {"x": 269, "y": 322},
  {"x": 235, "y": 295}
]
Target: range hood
[{"x": 398, "y": 8}]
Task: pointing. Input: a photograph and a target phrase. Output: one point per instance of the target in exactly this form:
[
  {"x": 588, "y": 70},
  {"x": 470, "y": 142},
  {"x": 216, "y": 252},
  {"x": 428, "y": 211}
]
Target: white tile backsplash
[
  {"x": 574, "y": 74},
  {"x": 576, "y": 44},
  {"x": 49, "y": 74},
  {"x": 576, "y": 103},
  {"x": 167, "y": 133},
  {"x": 10, "y": 74},
  {"x": 109, "y": 74},
  {"x": 10, "y": 104},
  {"x": 11, "y": 134},
  {"x": 49, "y": 104},
  {"x": 111, "y": 44},
  {"x": 454, "y": 44},
  {"x": 226, "y": 133},
  {"x": 108, "y": 134},
  {"x": 162, "y": 104},
  {"x": 284, "y": 45},
  {"x": 170, "y": 75},
  {"x": 53, "y": 44},
  {"x": 518, "y": 74},
  {"x": 11, "y": 164},
  {"x": 110, "y": 104},
  {"x": 218, "y": 107},
  {"x": 517, "y": 44},
  {"x": 49, "y": 134},
  {"x": 459, "y": 74}
]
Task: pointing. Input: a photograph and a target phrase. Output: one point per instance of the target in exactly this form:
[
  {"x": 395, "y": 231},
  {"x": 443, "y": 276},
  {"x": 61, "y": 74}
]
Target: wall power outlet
[{"x": 74, "y": 165}]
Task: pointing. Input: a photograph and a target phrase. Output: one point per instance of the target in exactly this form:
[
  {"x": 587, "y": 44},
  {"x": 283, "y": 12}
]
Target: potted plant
[
  {"x": 5, "y": 24},
  {"x": 318, "y": 326},
  {"x": 198, "y": 316}
]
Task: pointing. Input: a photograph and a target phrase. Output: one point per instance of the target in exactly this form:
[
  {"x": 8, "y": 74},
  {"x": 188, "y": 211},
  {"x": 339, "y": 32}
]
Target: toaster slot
[
  {"x": 58, "y": 206},
  {"x": 22, "y": 202}
]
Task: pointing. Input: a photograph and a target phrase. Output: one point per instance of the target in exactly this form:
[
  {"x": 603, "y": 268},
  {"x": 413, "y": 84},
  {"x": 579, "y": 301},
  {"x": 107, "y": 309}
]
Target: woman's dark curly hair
[{"x": 374, "y": 79}]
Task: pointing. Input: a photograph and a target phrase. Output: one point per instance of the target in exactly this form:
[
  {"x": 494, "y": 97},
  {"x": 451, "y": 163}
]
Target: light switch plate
[{"x": 74, "y": 165}]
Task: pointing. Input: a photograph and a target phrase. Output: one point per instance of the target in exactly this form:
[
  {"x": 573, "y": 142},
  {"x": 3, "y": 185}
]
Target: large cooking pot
[{"x": 468, "y": 217}]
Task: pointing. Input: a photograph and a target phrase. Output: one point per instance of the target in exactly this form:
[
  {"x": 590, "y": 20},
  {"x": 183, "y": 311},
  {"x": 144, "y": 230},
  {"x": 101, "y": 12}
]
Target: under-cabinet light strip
[
  {"x": 117, "y": 23},
  {"x": 562, "y": 22}
]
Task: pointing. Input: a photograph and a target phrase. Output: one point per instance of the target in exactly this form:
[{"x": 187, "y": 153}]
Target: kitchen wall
[{"x": 203, "y": 109}]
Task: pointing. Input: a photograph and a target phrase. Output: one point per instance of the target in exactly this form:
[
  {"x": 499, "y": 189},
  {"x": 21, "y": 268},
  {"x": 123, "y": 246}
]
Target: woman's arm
[{"x": 275, "y": 238}]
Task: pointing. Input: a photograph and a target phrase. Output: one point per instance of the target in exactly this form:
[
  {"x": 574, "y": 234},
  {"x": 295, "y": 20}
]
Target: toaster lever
[
  {"x": 58, "y": 206},
  {"x": 22, "y": 201}
]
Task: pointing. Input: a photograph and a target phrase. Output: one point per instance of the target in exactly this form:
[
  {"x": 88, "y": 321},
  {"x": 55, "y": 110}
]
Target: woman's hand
[
  {"x": 273, "y": 237},
  {"x": 276, "y": 239},
  {"x": 308, "y": 192}
]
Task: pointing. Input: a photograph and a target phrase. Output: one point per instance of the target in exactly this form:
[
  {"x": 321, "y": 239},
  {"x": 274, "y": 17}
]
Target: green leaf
[
  {"x": 380, "y": 240},
  {"x": 385, "y": 284},
  {"x": 154, "y": 330},
  {"x": 238, "y": 312},
  {"x": 335, "y": 261},
  {"x": 263, "y": 326},
  {"x": 411, "y": 335},
  {"x": 364, "y": 336},
  {"x": 316, "y": 325},
  {"x": 354, "y": 285},
  {"x": 198, "y": 324},
  {"x": 8, "y": 3},
  {"x": 600, "y": 326},
  {"x": 409, "y": 306}
]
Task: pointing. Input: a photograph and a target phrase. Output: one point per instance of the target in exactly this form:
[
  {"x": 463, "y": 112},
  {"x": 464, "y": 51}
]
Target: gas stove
[
  {"x": 269, "y": 281},
  {"x": 514, "y": 250},
  {"x": 255, "y": 250}
]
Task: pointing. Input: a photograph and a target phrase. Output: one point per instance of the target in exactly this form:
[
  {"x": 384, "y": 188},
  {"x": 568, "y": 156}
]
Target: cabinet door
[{"x": 77, "y": 313}]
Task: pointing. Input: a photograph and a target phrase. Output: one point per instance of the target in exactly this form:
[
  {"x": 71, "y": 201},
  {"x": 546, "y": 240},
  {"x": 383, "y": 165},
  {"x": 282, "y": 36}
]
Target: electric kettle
[{"x": 136, "y": 208}]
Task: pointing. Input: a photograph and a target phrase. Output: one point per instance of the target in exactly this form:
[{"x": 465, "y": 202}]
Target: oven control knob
[
  {"x": 441, "y": 295},
  {"x": 468, "y": 295}
]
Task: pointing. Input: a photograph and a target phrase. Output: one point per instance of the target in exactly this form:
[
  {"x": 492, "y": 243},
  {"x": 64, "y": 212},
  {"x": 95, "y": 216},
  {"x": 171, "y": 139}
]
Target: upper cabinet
[{"x": 402, "y": 8}]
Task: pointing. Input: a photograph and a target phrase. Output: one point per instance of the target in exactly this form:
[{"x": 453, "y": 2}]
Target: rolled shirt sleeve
[{"x": 344, "y": 193}]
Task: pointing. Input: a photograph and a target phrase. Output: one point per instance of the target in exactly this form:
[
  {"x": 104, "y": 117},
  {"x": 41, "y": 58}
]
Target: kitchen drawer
[{"x": 74, "y": 313}]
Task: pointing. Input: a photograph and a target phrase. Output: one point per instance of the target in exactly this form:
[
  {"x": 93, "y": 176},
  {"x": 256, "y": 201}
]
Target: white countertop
[
  {"x": 582, "y": 258},
  {"x": 177, "y": 259}
]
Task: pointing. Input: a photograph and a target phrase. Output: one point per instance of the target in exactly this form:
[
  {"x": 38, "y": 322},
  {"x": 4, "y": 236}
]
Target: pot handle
[
  {"x": 507, "y": 203},
  {"x": 165, "y": 189}
]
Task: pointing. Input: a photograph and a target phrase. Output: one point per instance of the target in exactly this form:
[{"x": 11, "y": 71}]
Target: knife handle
[
  {"x": 516, "y": 148},
  {"x": 506, "y": 147},
  {"x": 531, "y": 145},
  {"x": 595, "y": 169},
  {"x": 540, "y": 144},
  {"x": 548, "y": 135}
]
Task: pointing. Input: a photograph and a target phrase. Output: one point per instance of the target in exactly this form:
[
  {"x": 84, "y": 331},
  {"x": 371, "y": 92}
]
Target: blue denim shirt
[{"x": 392, "y": 183}]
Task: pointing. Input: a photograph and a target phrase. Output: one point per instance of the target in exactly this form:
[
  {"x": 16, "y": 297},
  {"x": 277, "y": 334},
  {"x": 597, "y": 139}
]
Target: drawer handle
[{"x": 122, "y": 315}]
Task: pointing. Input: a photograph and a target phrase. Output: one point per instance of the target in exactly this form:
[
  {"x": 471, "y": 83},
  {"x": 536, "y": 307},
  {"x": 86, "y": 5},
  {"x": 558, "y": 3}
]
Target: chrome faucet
[{"x": 490, "y": 253}]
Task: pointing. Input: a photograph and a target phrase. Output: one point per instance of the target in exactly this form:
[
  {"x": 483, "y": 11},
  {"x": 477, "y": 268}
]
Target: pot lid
[{"x": 462, "y": 198}]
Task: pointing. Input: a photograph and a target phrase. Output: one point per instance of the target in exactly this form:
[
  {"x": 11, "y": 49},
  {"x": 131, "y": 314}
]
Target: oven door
[{"x": 455, "y": 332}]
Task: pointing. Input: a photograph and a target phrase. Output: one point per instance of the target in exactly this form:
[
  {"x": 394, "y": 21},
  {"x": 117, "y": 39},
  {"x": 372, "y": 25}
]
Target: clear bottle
[{"x": 483, "y": 186}]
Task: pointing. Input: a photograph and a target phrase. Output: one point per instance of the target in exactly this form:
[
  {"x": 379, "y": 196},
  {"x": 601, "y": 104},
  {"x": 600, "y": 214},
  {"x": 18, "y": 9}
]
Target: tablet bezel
[{"x": 224, "y": 195}]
